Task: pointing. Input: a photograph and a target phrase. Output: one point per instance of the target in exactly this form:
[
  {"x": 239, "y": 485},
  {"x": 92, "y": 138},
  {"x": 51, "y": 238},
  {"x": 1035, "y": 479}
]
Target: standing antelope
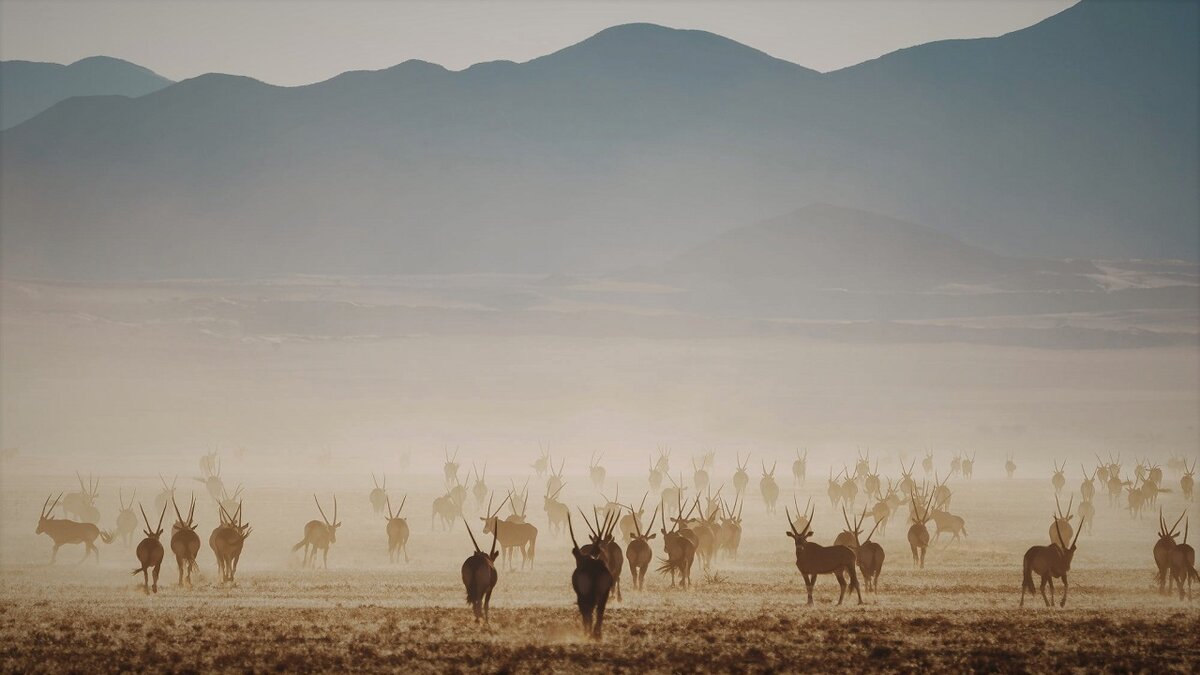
[
  {"x": 185, "y": 543},
  {"x": 318, "y": 536},
  {"x": 673, "y": 494},
  {"x": 680, "y": 550},
  {"x": 1059, "y": 479},
  {"x": 654, "y": 479},
  {"x": 731, "y": 528},
  {"x": 555, "y": 481},
  {"x": 927, "y": 462},
  {"x": 868, "y": 553},
  {"x": 1187, "y": 481},
  {"x": 632, "y": 521},
  {"x": 799, "y": 468},
  {"x": 556, "y": 511},
  {"x": 450, "y": 467},
  {"x": 1048, "y": 562},
  {"x": 1087, "y": 488},
  {"x": 768, "y": 487},
  {"x": 813, "y": 559},
  {"x": 638, "y": 551},
  {"x": 956, "y": 464},
  {"x": 82, "y": 504},
  {"x": 479, "y": 488},
  {"x": 596, "y": 472},
  {"x": 918, "y": 534},
  {"x": 871, "y": 482},
  {"x": 515, "y": 535},
  {"x": 1183, "y": 564},
  {"x": 126, "y": 519},
  {"x": 167, "y": 493},
  {"x": 542, "y": 462},
  {"x": 62, "y": 531},
  {"x": 699, "y": 476},
  {"x": 397, "y": 531},
  {"x": 150, "y": 551},
  {"x": 378, "y": 496},
  {"x": 1010, "y": 467},
  {"x": 1087, "y": 513},
  {"x": 592, "y": 582},
  {"x": 447, "y": 508},
  {"x": 834, "y": 491},
  {"x": 740, "y": 478},
  {"x": 968, "y": 466},
  {"x": 479, "y": 575},
  {"x": 907, "y": 484},
  {"x": 849, "y": 488},
  {"x": 227, "y": 540},
  {"x": 1163, "y": 549},
  {"x": 603, "y": 548}
]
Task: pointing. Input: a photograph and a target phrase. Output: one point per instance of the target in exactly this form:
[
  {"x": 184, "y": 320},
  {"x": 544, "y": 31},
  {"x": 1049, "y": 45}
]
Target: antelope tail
[
  {"x": 668, "y": 566},
  {"x": 963, "y": 529},
  {"x": 106, "y": 537},
  {"x": 138, "y": 570},
  {"x": 299, "y": 546},
  {"x": 1027, "y": 579}
]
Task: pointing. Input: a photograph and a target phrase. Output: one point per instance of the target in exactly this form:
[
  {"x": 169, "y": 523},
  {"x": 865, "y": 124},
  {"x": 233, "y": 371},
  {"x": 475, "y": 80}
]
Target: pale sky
[{"x": 291, "y": 43}]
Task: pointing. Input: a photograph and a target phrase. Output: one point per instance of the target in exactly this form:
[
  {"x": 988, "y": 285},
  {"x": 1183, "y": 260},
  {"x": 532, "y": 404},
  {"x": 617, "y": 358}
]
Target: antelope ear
[
  {"x": 790, "y": 534},
  {"x": 493, "y": 555},
  {"x": 809, "y": 533},
  {"x": 652, "y": 536}
]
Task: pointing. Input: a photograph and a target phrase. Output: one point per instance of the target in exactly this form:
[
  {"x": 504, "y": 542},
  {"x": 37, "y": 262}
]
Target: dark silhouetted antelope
[
  {"x": 730, "y": 539},
  {"x": 318, "y": 536},
  {"x": 126, "y": 518},
  {"x": 680, "y": 550},
  {"x": 1182, "y": 561},
  {"x": 1048, "y": 562},
  {"x": 639, "y": 553},
  {"x": 62, "y": 531},
  {"x": 185, "y": 543},
  {"x": 603, "y": 548},
  {"x": 378, "y": 496},
  {"x": 814, "y": 559},
  {"x": 834, "y": 490},
  {"x": 397, "y": 531},
  {"x": 1187, "y": 482},
  {"x": 918, "y": 533},
  {"x": 150, "y": 551},
  {"x": 1162, "y": 551},
  {"x": 592, "y": 582},
  {"x": 596, "y": 472},
  {"x": 513, "y": 536},
  {"x": 227, "y": 541},
  {"x": 768, "y": 487},
  {"x": 479, "y": 575}
]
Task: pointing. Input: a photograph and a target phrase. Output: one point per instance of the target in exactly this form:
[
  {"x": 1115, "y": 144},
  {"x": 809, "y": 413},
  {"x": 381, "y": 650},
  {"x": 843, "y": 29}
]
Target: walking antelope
[
  {"x": 185, "y": 543},
  {"x": 1115, "y": 485},
  {"x": 813, "y": 559},
  {"x": 703, "y": 527},
  {"x": 918, "y": 533},
  {"x": 800, "y": 468},
  {"x": 663, "y": 463},
  {"x": 768, "y": 487},
  {"x": 1087, "y": 514},
  {"x": 82, "y": 504},
  {"x": 378, "y": 496},
  {"x": 740, "y": 477},
  {"x": 945, "y": 521},
  {"x": 208, "y": 464},
  {"x": 871, "y": 482},
  {"x": 1183, "y": 564},
  {"x": 654, "y": 479},
  {"x": 556, "y": 511},
  {"x": 126, "y": 519},
  {"x": 631, "y": 522},
  {"x": 479, "y": 575},
  {"x": 542, "y": 462},
  {"x": 673, "y": 494},
  {"x": 592, "y": 582},
  {"x": 927, "y": 462},
  {"x": 863, "y": 465},
  {"x": 680, "y": 550},
  {"x": 555, "y": 481},
  {"x": 596, "y": 472},
  {"x": 1048, "y": 562},
  {"x": 956, "y": 464},
  {"x": 231, "y": 501},
  {"x": 1058, "y": 480},
  {"x": 868, "y": 553},
  {"x": 731, "y": 528},
  {"x": 1188, "y": 481},
  {"x": 907, "y": 484},
  {"x": 699, "y": 476},
  {"x": 613, "y": 507},
  {"x": 227, "y": 540},
  {"x": 638, "y": 551},
  {"x": 447, "y": 508},
  {"x": 319, "y": 535},
  {"x": 1060, "y": 529},
  {"x": 479, "y": 488},
  {"x": 1087, "y": 488},
  {"x": 1163, "y": 549},
  {"x": 834, "y": 490},
  {"x": 450, "y": 467},
  {"x": 397, "y": 531},
  {"x": 150, "y": 551},
  {"x": 968, "y": 466},
  {"x": 165, "y": 495},
  {"x": 603, "y": 548},
  {"x": 849, "y": 488},
  {"x": 212, "y": 482},
  {"x": 941, "y": 492},
  {"x": 514, "y": 535},
  {"x": 62, "y": 531},
  {"x": 1101, "y": 470},
  {"x": 1010, "y": 467}
]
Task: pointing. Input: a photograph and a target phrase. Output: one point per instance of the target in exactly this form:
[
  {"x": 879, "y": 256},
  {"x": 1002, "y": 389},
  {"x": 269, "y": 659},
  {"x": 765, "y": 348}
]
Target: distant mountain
[
  {"x": 1076, "y": 137},
  {"x": 29, "y": 87}
]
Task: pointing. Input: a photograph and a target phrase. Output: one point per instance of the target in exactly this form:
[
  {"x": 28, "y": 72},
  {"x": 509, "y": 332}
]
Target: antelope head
[
  {"x": 125, "y": 508},
  {"x": 490, "y": 557},
  {"x": 1166, "y": 534},
  {"x": 799, "y": 535},
  {"x": 333, "y": 526},
  {"x": 492, "y": 517},
  {"x": 551, "y": 498},
  {"x": 638, "y": 533},
  {"x": 395, "y": 515},
  {"x": 771, "y": 473},
  {"x": 155, "y": 532},
  {"x": 1069, "y": 552},
  {"x": 44, "y": 518},
  {"x": 181, "y": 523}
]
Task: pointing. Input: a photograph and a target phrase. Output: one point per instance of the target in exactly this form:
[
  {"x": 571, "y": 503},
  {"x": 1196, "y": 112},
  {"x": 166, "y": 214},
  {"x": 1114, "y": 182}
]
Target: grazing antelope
[
  {"x": 813, "y": 559},
  {"x": 82, "y": 504},
  {"x": 596, "y": 472},
  {"x": 319, "y": 535},
  {"x": 479, "y": 575},
  {"x": 126, "y": 519},
  {"x": 1010, "y": 467},
  {"x": 631, "y": 522},
  {"x": 768, "y": 487},
  {"x": 556, "y": 511},
  {"x": 514, "y": 535},
  {"x": 1163, "y": 549},
  {"x": 705, "y": 532},
  {"x": 1115, "y": 485},
  {"x": 699, "y": 476},
  {"x": 1048, "y": 562},
  {"x": 918, "y": 533},
  {"x": 1183, "y": 564},
  {"x": 968, "y": 466},
  {"x": 378, "y": 496},
  {"x": 799, "y": 468},
  {"x": 150, "y": 551},
  {"x": 1059, "y": 479},
  {"x": 227, "y": 541},
  {"x": 397, "y": 531},
  {"x": 603, "y": 548},
  {"x": 62, "y": 531},
  {"x": 740, "y": 478},
  {"x": 450, "y": 467},
  {"x": 1187, "y": 481},
  {"x": 927, "y": 462},
  {"x": 1062, "y": 523},
  {"x": 680, "y": 550},
  {"x": 167, "y": 493},
  {"x": 185, "y": 543},
  {"x": 479, "y": 488},
  {"x": 638, "y": 551},
  {"x": 592, "y": 582},
  {"x": 555, "y": 481},
  {"x": 542, "y": 462}
]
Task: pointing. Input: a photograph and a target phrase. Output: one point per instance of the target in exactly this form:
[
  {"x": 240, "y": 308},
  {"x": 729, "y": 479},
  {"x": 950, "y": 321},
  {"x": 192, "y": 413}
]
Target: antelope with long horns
[
  {"x": 1059, "y": 479},
  {"x": 556, "y": 511},
  {"x": 592, "y": 582},
  {"x": 834, "y": 490},
  {"x": 212, "y": 482},
  {"x": 227, "y": 541},
  {"x": 654, "y": 478},
  {"x": 542, "y": 462},
  {"x": 631, "y": 522},
  {"x": 231, "y": 501},
  {"x": 956, "y": 464},
  {"x": 150, "y": 551},
  {"x": 82, "y": 504},
  {"x": 740, "y": 477},
  {"x": 672, "y": 495},
  {"x": 639, "y": 553},
  {"x": 968, "y": 466},
  {"x": 450, "y": 467},
  {"x": 166, "y": 494},
  {"x": 378, "y": 496},
  {"x": 1048, "y": 562},
  {"x": 318, "y": 536},
  {"x": 1060, "y": 529},
  {"x": 731, "y": 528},
  {"x": 603, "y": 548},
  {"x": 126, "y": 519},
  {"x": 208, "y": 464},
  {"x": 871, "y": 483},
  {"x": 1087, "y": 487},
  {"x": 1163, "y": 549},
  {"x": 768, "y": 487},
  {"x": 185, "y": 543},
  {"x": 397, "y": 531},
  {"x": 799, "y": 468},
  {"x": 479, "y": 575},
  {"x": 699, "y": 476},
  {"x": 849, "y": 489},
  {"x": 513, "y": 536},
  {"x": 1183, "y": 564},
  {"x": 680, "y": 550},
  {"x": 918, "y": 533},
  {"x": 596, "y": 472},
  {"x": 555, "y": 481},
  {"x": 813, "y": 559},
  {"x": 479, "y": 488},
  {"x": 62, "y": 531},
  {"x": 870, "y": 558},
  {"x": 1187, "y": 482},
  {"x": 448, "y": 509},
  {"x": 1087, "y": 514}
]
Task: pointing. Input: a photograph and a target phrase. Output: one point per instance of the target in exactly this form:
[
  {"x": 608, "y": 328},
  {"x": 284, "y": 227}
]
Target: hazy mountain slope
[{"x": 29, "y": 87}]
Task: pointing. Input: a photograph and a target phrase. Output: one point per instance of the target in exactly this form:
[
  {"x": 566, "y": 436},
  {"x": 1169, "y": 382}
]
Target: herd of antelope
[{"x": 696, "y": 524}]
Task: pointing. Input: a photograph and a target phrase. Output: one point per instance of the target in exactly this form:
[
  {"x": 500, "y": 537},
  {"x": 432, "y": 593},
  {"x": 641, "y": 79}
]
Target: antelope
[
  {"x": 1183, "y": 564},
  {"x": 318, "y": 536},
  {"x": 799, "y": 468},
  {"x": 555, "y": 481},
  {"x": 941, "y": 493},
  {"x": 849, "y": 536},
  {"x": 1115, "y": 484},
  {"x": 208, "y": 464},
  {"x": 126, "y": 519},
  {"x": 740, "y": 477},
  {"x": 1155, "y": 474},
  {"x": 863, "y": 465},
  {"x": 1101, "y": 470},
  {"x": 612, "y": 507},
  {"x": 834, "y": 491},
  {"x": 62, "y": 531},
  {"x": 907, "y": 484},
  {"x": 1136, "y": 501},
  {"x": 603, "y": 548},
  {"x": 631, "y": 522},
  {"x": 479, "y": 575},
  {"x": 871, "y": 482},
  {"x": 813, "y": 559},
  {"x": 556, "y": 511},
  {"x": 699, "y": 476},
  {"x": 167, "y": 493},
  {"x": 1010, "y": 467},
  {"x": 518, "y": 499},
  {"x": 768, "y": 487},
  {"x": 378, "y": 496},
  {"x": 680, "y": 550},
  {"x": 1187, "y": 481},
  {"x": 918, "y": 534},
  {"x": 1048, "y": 562},
  {"x": 927, "y": 462},
  {"x": 948, "y": 522},
  {"x": 849, "y": 488},
  {"x": 230, "y": 501},
  {"x": 956, "y": 464},
  {"x": 596, "y": 472},
  {"x": 731, "y": 528},
  {"x": 663, "y": 464},
  {"x": 654, "y": 480},
  {"x": 1087, "y": 514},
  {"x": 542, "y": 462},
  {"x": 592, "y": 582},
  {"x": 150, "y": 551},
  {"x": 882, "y": 511},
  {"x": 1058, "y": 480},
  {"x": 1062, "y": 523},
  {"x": 397, "y": 531},
  {"x": 450, "y": 467},
  {"x": 479, "y": 488},
  {"x": 447, "y": 508},
  {"x": 968, "y": 466},
  {"x": 868, "y": 553},
  {"x": 1163, "y": 549},
  {"x": 515, "y": 535},
  {"x": 185, "y": 543},
  {"x": 212, "y": 482},
  {"x": 1087, "y": 488},
  {"x": 227, "y": 540},
  {"x": 673, "y": 494},
  {"x": 638, "y": 551},
  {"x": 82, "y": 504}
]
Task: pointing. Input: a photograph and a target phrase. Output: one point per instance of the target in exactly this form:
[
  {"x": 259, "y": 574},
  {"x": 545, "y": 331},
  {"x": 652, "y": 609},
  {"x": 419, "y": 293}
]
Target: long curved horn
[
  {"x": 178, "y": 515},
  {"x": 144, "y": 516},
  {"x": 1061, "y": 543},
  {"x": 574, "y": 544},
  {"x": 318, "y": 503},
  {"x": 585, "y": 522},
  {"x": 1077, "y": 531},
  {"x": 160, "y": 519},
  {"x": 402, "y": 502},
  {"x": 1175, "y": 528},
  {"x": 791, "y": 524},
  {"x": 391, "y": 515},
  {"x": 473, "y": 542}
]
